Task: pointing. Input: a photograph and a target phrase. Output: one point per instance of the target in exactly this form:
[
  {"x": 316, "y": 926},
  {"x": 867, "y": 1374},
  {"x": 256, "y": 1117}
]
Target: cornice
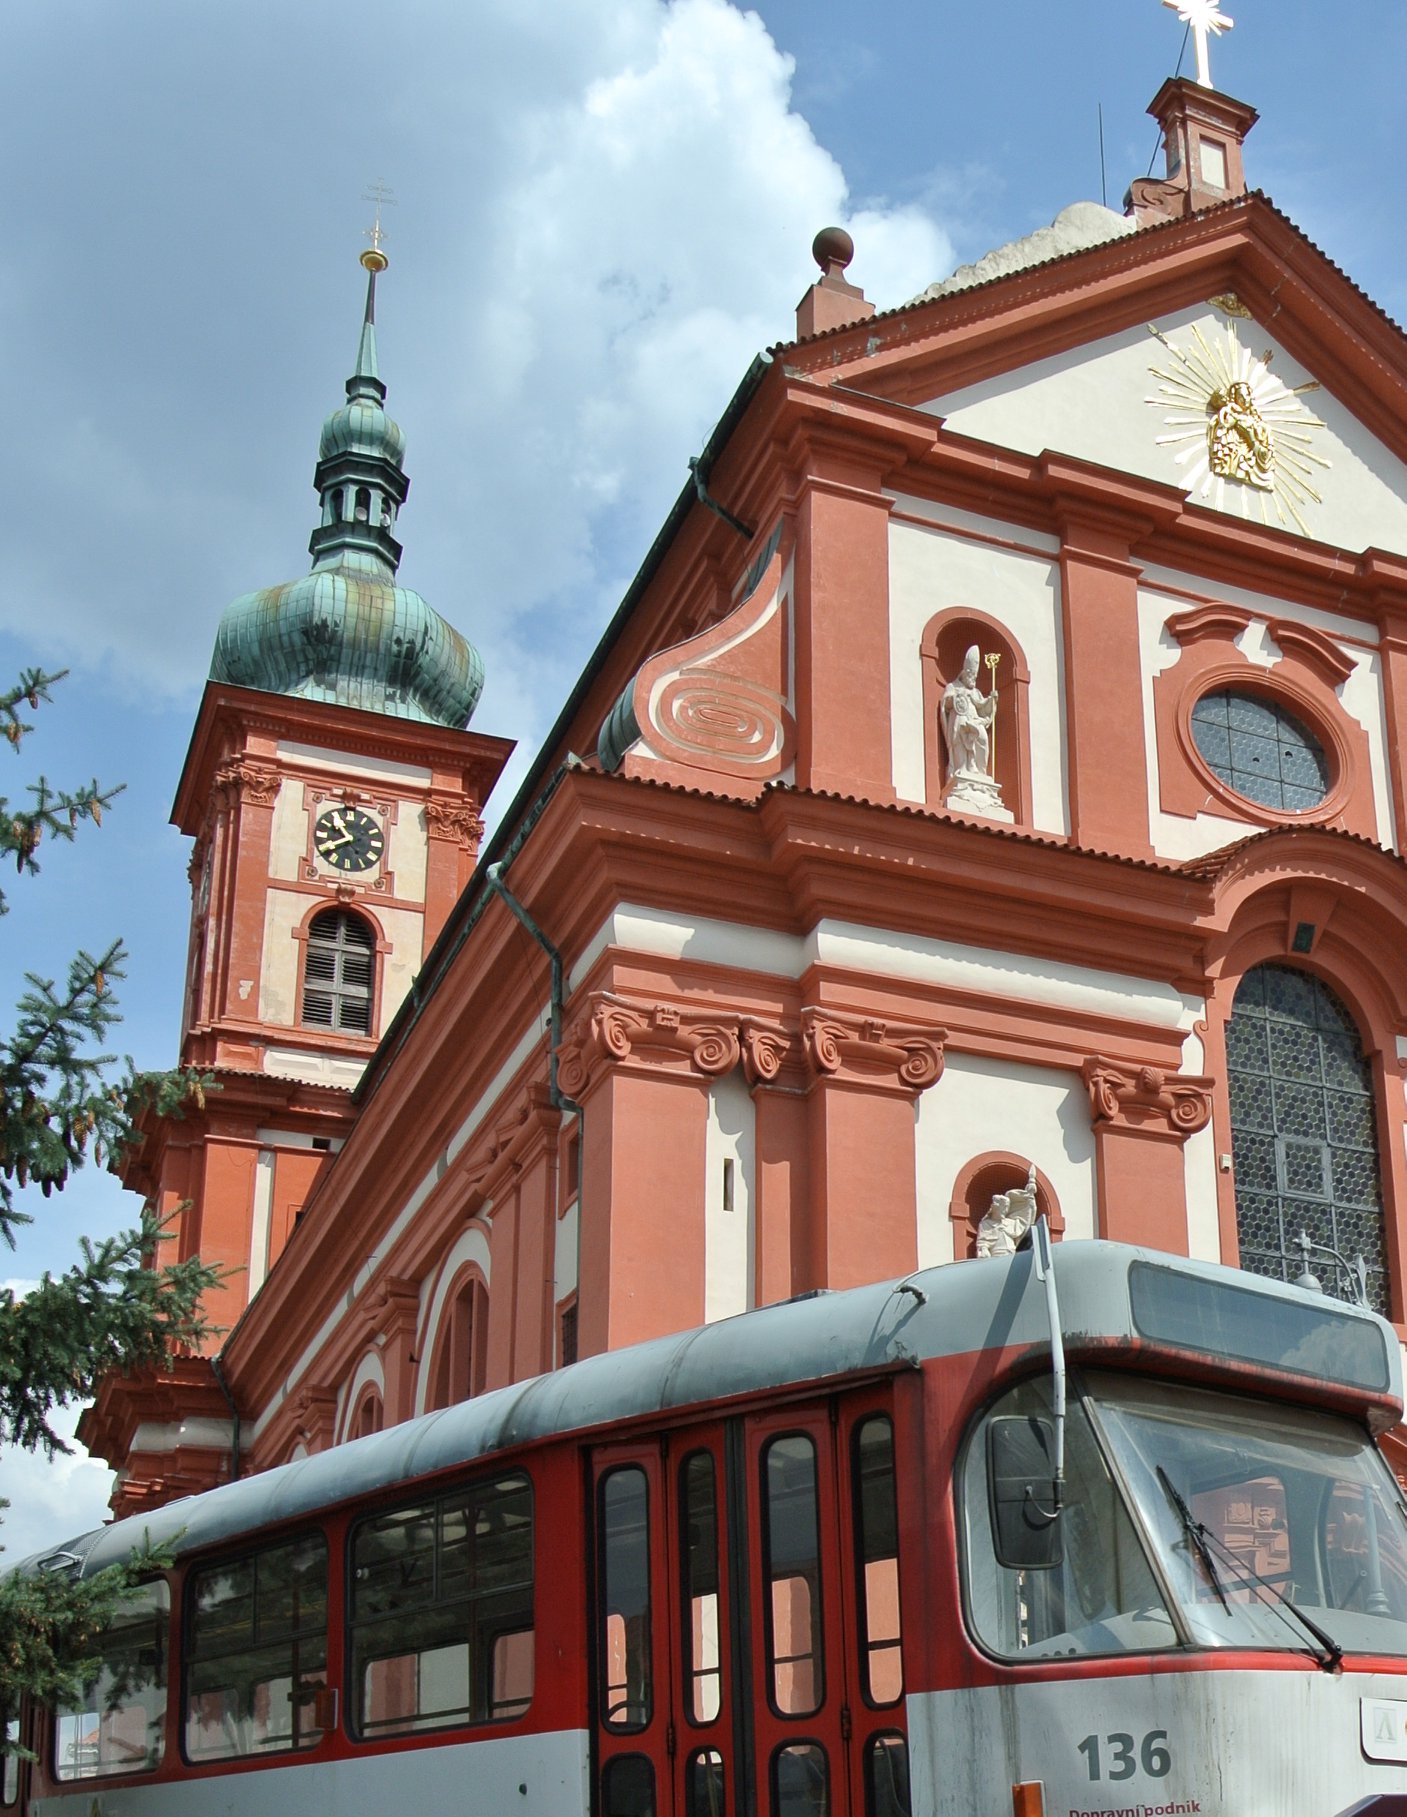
[{"x": 228, "y": 716}]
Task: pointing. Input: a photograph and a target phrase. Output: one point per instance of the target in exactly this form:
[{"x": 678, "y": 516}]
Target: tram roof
[{"x": 997, "y": 1303}]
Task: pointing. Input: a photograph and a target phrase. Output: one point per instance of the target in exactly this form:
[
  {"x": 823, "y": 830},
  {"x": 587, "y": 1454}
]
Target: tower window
[
  {"x": 338, "y": 973},
  {"x": 363, "y": 507}
]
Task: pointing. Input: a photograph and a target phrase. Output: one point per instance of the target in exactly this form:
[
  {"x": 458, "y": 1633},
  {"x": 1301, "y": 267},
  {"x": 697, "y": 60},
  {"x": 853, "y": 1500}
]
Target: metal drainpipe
[
  {"x": 218, "y": 1370},
  {"x": 560, "y": 1101}
]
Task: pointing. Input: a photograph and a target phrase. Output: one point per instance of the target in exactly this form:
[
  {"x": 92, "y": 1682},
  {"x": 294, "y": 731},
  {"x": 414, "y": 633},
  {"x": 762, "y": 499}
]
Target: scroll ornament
[
  {"x": 1145, "y": 1097},
  {"x": 865, "y": 1050},
  {"x": 615, "y": 1030}
]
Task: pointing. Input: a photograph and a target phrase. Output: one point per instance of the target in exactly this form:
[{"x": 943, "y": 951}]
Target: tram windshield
[
  {"x": 1259, "y": 1510},
  {"x": 1254, "y": 1524}
]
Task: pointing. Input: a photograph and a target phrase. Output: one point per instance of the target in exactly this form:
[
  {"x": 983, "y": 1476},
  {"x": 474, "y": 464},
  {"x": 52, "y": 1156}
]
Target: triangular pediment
[
  {"x": 1208, "y": 400},
  {"x": 1222, "y": 354}
]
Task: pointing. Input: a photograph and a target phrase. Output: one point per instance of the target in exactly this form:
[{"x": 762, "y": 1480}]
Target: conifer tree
[{"x": 63, "y": 1101}]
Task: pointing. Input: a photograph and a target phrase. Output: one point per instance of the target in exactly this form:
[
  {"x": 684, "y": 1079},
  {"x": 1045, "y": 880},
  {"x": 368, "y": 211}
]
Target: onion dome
[{"x": 346, "y": 632}]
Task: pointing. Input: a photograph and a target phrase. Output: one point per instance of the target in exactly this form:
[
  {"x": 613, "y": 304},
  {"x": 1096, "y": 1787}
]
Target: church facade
[{"x": 997, "y": 765}]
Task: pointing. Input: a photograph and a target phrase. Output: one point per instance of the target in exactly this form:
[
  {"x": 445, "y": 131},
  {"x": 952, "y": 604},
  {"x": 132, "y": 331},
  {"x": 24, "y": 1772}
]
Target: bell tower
[{"x": 334, "y": 796}]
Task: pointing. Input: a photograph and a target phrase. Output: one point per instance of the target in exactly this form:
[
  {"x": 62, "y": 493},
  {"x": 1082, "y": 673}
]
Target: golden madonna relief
[{"x": 1241, "y": 436}]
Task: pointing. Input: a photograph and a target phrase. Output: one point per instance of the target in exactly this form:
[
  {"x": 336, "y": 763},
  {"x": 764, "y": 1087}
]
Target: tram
[{"x": 1081, "y": 1533}]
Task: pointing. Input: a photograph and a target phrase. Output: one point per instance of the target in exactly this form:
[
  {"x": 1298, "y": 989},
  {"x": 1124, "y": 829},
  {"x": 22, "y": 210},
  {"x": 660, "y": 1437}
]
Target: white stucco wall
[
  {"x": 406, "y": 851},
  {"x": 730, "y": 1241},
  {"x": 980, "y": 1106},
  {"x": 953, "y": 558},
  {"x": 1090, "y": 402}
]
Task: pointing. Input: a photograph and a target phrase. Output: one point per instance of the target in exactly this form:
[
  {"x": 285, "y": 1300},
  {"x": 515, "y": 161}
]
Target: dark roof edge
[{"x": 536, "y": 785}]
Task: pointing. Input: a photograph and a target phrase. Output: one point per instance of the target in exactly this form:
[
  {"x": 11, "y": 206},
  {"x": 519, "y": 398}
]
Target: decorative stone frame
[
  {"x": 1304, "y": 679},
  {"x": 317, "y": 798},
  {"x": 998, "y": 1170},
  {"x": 945, "y": 641},
  {"x": 368, "y": 1413},
  {"x": 1351, "y": 975},
  {"x": 381, "y": 946},
  {"x": 451, "y": 1347}
]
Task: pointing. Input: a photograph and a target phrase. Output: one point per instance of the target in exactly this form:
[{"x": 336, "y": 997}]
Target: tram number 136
[{"x": 1119, "y": 1756}]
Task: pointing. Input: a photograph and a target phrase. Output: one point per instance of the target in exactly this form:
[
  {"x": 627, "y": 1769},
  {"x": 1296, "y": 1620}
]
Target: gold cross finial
[
  {"x": 1206, "y": 19},
  {"x": 374, "y": 259}
]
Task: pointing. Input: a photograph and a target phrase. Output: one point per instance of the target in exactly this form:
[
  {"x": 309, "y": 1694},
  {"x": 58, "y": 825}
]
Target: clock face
[{"x": 348, "y": 839}]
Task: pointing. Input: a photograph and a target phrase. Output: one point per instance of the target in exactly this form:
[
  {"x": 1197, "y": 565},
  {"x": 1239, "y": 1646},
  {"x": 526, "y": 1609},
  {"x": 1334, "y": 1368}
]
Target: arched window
[
  {"x": 458, "y": 1371},
  {"x": 367, "y": 1417},
  {"x": 339, "y": 970},
  {"x": 1303, "y": 1132}
]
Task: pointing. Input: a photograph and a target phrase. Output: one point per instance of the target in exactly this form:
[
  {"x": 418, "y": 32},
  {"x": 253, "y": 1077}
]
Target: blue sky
[{"x": 604, "y": 207}]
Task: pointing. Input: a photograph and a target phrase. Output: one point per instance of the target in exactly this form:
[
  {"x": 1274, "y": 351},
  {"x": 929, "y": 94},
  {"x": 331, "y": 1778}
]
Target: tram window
[
  {"x": 801, "y": 1781},
  {"x": 887, "y": 1776},
  {"x": 1100, "y": 1595},
  {"x": 625, "y": 1610},
  {"x": 10, "y": 1766},
  {"x": 118, "y": 1726},
  {"x": 442, "y": 1611},
  {"x": 792, "y": 1567},
  {"x": 698, "y": 1520},
  {"x": 257, "y": 1653},
  {"x": 704, "y": 1794},
  {"x": 877, "y": 1559},
  {"x": 628, "y": 1787}
]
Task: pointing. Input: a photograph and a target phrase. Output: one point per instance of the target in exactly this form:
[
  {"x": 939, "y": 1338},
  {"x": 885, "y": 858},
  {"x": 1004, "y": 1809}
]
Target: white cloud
[
  {"x": 606, "y": 208},
  {"x": 50, "y": 1502}
]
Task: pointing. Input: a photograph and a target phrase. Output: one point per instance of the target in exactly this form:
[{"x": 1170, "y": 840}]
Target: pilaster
[{"x": 1142, "y": 1118}]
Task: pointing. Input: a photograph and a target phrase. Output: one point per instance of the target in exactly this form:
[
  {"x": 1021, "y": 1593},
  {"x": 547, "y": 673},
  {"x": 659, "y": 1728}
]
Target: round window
[{"x": 1262, "y": 752}]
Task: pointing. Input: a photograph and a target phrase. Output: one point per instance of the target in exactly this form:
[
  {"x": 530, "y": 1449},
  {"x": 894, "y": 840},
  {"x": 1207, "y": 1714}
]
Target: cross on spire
[
  {"x": 382, "y": 197},
  {"x": 1206, "y": 20}
]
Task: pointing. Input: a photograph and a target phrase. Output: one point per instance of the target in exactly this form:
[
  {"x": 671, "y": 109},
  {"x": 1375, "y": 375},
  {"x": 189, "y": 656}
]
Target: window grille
[
  {"x": 1303, "y": 1132},
  {"x": 338, "y": 973},
  {"x": 1262, "y": 752}
]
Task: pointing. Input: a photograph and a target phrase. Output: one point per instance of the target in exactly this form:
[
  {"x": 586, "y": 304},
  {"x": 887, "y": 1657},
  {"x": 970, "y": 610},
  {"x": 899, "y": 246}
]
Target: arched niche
[
  {"x": 946, "y": 639},
  {"x": 984, "y": 1176}
]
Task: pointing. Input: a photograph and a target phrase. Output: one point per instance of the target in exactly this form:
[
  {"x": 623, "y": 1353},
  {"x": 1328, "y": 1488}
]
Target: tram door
[{"x": 748, "y": 1647}]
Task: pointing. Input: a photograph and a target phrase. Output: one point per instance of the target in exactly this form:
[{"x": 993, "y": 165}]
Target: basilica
[{"x": 995, "y": 774}]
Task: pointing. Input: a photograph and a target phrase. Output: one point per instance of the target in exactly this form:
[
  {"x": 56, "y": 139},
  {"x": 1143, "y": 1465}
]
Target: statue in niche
[
  {"x": 1008, "y": 1219},
  {"x": 969, "y": 732}
]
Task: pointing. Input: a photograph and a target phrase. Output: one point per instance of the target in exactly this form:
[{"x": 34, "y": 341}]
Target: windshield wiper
[
  {"x": 1327, "y": 1652},
  {"x": 1197, "y": 1535}
]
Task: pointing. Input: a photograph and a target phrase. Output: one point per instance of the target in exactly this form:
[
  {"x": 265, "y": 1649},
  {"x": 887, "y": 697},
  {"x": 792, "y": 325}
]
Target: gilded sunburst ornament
[{"x": 1239, "y": 433}]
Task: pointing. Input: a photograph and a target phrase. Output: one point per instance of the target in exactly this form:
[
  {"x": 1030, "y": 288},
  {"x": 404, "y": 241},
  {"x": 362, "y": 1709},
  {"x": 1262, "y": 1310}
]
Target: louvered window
[{"x": 338, "y": 973}]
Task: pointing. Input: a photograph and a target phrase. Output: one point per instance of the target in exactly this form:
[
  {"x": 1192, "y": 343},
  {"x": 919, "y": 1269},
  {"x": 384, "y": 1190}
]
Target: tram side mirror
[{"x": 1022, "y": 1493}]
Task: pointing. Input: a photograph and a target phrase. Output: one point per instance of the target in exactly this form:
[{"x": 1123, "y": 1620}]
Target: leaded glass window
[
  {"x": 1303, "y": 1131},
  {"x": 1262, "y": 752}
]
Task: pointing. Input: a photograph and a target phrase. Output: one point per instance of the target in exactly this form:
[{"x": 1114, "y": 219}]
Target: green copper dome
[{"x": 346, "y": 632}]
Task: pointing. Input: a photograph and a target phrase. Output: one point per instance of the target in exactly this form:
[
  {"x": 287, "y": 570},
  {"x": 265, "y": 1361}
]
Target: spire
[
  {"x": 359, "y": 475},
  {"x": 367, "y": 375},
  {"x": 346, "y": 633}
]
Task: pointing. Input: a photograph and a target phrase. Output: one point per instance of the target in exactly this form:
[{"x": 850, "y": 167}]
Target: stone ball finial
[{"x": 832, "y": 249}]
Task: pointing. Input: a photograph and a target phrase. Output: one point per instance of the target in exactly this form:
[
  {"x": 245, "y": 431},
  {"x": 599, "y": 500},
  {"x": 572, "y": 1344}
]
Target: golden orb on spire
[{"x": 373, "y": 259}]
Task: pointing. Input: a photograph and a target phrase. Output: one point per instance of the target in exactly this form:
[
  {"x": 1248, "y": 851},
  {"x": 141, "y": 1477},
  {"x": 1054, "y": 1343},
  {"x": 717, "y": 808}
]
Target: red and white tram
[{"x": 908, "y": 1551}]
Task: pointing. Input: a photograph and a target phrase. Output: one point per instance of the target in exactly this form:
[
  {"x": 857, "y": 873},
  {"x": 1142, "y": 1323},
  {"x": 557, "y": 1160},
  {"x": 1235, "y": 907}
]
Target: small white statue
[
  {"x": 1008, "y": 1218},
  {"x": 969, "y": 725}
]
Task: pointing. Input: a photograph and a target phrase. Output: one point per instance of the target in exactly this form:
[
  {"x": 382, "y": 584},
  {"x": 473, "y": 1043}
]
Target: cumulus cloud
[
  {"x": 605, "y": 209},
  {"x": 50, "y": 1502}
]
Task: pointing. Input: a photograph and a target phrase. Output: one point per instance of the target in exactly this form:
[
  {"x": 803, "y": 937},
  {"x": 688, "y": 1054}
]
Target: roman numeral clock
[{"x": 348, "y": 839}]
